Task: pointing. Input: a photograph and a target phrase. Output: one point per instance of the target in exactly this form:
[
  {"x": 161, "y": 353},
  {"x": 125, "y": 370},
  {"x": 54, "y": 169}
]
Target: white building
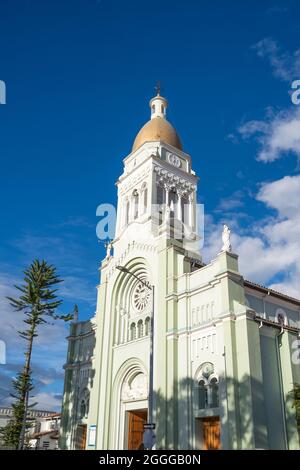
[
  {"x": 41, "y": 421},
  {"x": 46, "y": 433}
]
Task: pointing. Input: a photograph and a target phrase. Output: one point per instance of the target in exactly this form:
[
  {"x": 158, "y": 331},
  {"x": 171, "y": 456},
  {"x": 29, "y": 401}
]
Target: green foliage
[
  {"x": 38, "y": 302},
  {"x": 296, "y": 396},
  {"x": 10, "y": 434}
]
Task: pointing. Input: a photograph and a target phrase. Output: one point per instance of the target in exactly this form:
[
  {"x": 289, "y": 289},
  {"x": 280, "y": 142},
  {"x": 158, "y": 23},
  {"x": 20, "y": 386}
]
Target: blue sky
[{"x": 79, "y": 76}]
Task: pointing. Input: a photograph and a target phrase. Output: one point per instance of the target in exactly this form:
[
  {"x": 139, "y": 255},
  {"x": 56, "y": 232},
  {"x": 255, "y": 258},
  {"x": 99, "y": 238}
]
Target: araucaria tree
[{"x": 38, "y": 302}]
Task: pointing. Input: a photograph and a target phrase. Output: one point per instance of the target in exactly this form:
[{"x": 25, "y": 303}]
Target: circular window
[{"x": 141, "y": 297}]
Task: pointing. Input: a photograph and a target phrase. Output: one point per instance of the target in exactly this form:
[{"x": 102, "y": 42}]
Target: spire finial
[
  {"x": 158, "y": 104},
  {"x": 158, "y": 87}
]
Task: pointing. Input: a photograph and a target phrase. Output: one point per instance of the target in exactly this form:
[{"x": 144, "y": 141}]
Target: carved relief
[{"x": 136, "y": 388}]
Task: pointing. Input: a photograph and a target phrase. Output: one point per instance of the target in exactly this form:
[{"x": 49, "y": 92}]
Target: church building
[{"x": 203, "y": 357}]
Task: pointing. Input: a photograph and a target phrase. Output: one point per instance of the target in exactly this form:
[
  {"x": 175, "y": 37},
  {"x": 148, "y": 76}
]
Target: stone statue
[
  {"x": 226, "y": 238},
  {"x": 108, "y": 247}
]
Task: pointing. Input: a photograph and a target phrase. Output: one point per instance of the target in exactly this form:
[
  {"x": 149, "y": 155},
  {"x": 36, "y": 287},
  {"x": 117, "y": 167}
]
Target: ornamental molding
[
  {"x": 147, "y": 248},
  {"x": 171, "y": 181}
]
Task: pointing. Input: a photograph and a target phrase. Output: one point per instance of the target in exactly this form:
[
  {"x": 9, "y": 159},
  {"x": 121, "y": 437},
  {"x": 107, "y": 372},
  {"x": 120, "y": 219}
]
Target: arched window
[
  {"x": 207, "y": 388},
  {"x": 160, "y": 195},
  {"x": 173, "y": 203},
  {"x": 144, "y": 198},
  {"x": 202, "y": 395},
  {"x": 214, "y": 392},
  {"x": 147, "y": 326},
  {"x": 185, "y": 209},
  {"x": 82, "y": 409},
  {"x": 140, "y": 328},
  {"x": 132, "y": 332},
  {"x": 135, "y": 204},
  {"x": 84, "y": 402},
  {"x": 127, "y": 212}
]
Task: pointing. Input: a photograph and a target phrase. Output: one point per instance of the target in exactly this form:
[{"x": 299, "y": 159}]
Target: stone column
[
  {"x": 118, "y": 313},
  {"x": 123, "y": 325},
  {"x": 167, "y": 198},
  {"x": 179, "y": 208},
  {"x": 191, "y": 211},
  {"x": 126, "y": 327}
]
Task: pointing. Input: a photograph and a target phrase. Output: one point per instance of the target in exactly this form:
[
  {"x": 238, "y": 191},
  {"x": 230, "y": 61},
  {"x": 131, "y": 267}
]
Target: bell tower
[
  {"x": 155, "y": 245},
  {"x": 157, "y": 190}
]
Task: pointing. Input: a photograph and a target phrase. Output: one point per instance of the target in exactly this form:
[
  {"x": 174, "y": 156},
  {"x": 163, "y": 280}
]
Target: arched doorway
[{"x": 134, "y": 405}]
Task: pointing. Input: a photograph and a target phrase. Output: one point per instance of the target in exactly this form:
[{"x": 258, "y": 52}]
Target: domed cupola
[{"x": 158, "y": 128}]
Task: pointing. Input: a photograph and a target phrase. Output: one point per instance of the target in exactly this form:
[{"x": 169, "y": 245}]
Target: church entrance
[
  {"x": 136, "y": 421},
  {"x": 208, "y": 433},
  {"x": 211, "y": 433}
]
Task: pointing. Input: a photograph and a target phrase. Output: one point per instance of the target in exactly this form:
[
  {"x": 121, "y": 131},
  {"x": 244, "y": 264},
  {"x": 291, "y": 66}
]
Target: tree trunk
[{"x": 25, "y": 396}]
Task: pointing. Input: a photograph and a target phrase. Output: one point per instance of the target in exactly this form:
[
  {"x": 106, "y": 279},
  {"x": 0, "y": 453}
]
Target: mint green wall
[
  {"x": 287, "y": 385},
  {"x": 257, "y": 389},
  {"x": 272, "y": 392}
]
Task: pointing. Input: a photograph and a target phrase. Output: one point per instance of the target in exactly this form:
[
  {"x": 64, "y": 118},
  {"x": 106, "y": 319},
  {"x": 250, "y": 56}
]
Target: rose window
[{"x": 141, "y": 297}]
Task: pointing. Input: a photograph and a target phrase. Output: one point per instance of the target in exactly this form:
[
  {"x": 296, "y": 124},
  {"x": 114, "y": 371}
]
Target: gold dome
[{"x": 157, "y": 129}]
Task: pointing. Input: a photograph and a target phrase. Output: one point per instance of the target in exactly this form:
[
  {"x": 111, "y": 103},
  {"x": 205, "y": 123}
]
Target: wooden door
[
  {"x": 80, "y": 442},
  {"x": 211, "y": 433},
  {"x": 136, "y": 421}
]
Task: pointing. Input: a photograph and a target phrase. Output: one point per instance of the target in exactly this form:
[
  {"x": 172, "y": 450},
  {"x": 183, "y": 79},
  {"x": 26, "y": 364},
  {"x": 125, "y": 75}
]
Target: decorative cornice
[{"x": 171, "y": 180}]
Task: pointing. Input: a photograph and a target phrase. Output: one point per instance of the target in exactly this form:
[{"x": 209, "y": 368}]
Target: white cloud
[
  {"x": 285, "y": 65},
  {"x": 269, "y": 248},
  {"x": 47, "y": 401},
  {"x": 236, "y": 200},
  {"x": 282, "y": 195},
  {"x": 11, "y": 321},
  {"x": 76, "y": 288},
  {"x": 276, "y": 136}
]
